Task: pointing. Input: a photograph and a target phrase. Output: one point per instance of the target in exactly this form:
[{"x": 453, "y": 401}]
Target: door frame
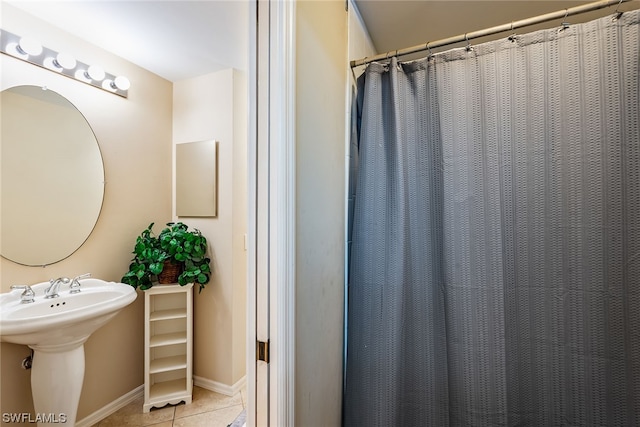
[{"x": 271, "y": 213}]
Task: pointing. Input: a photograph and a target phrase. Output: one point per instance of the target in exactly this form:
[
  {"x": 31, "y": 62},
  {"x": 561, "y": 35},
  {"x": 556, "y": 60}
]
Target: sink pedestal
[{"x": 56, "y": 382}]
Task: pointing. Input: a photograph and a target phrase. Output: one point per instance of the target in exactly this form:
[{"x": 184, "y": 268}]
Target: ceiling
[
  {"x": 173, "y": 39},
  {"x": 398, "y": 24},
  {"x": 183, "y": 39}
]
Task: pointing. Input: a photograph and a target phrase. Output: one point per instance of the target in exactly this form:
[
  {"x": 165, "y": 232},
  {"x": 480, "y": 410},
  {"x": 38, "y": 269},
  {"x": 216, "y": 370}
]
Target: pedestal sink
[{"x": 56, "y": 329}]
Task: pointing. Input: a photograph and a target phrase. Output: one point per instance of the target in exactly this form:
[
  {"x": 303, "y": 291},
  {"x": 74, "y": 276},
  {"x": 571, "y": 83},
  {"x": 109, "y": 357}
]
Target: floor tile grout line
[
  {"x": 209, "y": 411},
  {"x": 174, "y": 413}
]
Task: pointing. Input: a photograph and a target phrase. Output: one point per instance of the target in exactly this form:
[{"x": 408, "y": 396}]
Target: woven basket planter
[{"x": 170, "y": 272}]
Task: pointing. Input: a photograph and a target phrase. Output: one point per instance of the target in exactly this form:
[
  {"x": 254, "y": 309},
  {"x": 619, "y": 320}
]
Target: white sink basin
[
  {"x": 56, "y": 329},
  {"x": 63, "y": 320}
]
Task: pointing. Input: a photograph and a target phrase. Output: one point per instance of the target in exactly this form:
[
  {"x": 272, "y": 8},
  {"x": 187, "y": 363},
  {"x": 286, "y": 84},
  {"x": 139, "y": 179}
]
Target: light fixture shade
[
  {"x": 30, "y": 46},
  {"x": 122, "y": 83},
  {"x": 95, "y": 73},
  {"x": 66, "y": 61}
]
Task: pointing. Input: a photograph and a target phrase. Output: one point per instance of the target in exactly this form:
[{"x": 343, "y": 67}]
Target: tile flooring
[{"x": 207, "y": 409}]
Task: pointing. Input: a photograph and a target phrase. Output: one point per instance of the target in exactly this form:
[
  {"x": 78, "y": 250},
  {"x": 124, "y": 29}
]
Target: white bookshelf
[{"x": 168, "y": 350}]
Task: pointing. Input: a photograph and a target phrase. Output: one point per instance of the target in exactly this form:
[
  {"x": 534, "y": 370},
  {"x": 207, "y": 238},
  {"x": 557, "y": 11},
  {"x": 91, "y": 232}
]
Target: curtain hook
[
  {"x": 469, "y": 47},
  {"x": 429, "y": 50},
  {"x": 513, "y": 37},
  {"x": 617, "y": 13},
  {"x": 565, "y": 24}
]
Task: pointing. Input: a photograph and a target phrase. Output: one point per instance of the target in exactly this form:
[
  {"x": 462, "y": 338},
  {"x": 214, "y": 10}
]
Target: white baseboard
[
  {"x": 112, "y": 407},
  {"x": 122, "y": 401},
  {"x": 227, "y": 390}
]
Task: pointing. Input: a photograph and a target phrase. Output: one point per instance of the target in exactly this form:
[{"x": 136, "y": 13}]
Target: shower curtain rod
[{"x": 489, "y": 31}]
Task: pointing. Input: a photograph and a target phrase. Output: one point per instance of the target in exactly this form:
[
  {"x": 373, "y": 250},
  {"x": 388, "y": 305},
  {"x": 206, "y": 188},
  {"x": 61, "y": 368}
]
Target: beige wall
[
  {"x": 208, "y": 107},
  {"x": 321, "y": 75},
  {"x": 360, "y": 44},
  {"x": 134, "y": 135}
]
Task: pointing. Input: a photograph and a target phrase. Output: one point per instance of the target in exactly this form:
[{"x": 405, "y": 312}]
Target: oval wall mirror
[{"x": 51, "y": 176}]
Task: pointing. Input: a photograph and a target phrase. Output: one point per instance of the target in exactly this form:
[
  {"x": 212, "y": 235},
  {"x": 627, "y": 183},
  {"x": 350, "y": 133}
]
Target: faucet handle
[
  {"x": 27, "y": 296},
  {"x": 74, "y": 288}
]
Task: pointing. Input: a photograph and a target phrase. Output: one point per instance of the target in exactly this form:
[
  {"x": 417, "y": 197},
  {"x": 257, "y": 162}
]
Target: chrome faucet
[
  {"x": 27, "y": 296},
  {"x": 52, "y": 290},
  {"x": 74, "y": 288}
]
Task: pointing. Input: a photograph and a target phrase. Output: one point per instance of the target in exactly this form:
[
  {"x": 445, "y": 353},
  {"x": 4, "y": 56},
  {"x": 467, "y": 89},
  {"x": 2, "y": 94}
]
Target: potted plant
[{"x": 175, "y": 249}]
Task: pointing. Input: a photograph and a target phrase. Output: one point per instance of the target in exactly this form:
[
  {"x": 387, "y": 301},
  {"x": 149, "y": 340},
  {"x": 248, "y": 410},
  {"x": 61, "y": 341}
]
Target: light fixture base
[{"x": 26, "y": 49}]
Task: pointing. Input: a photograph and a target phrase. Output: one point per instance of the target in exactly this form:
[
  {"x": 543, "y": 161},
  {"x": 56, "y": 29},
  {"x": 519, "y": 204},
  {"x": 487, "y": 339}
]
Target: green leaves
[
  {"x": 156, "y": 268},
  {"x": 197, "y": 271},
  {"x": 176, "y": 243}
]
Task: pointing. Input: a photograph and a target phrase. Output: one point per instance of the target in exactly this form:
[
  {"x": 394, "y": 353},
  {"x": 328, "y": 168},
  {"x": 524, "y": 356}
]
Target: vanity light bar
[{"x": 33, "y": 52}]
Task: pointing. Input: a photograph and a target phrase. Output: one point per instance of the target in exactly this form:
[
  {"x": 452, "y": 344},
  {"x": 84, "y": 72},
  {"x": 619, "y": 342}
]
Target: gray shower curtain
[{"x": 495, "y": 259}]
